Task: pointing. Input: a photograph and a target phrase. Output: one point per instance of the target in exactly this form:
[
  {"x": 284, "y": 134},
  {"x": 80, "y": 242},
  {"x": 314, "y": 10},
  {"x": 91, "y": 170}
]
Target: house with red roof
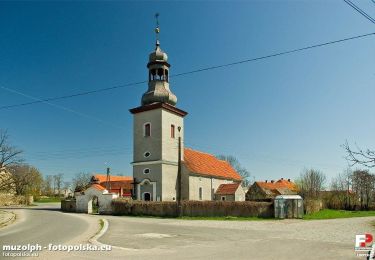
[
  {"x": 120, "y": 185},
  {"x": 268, "y": 190},
  {"x": 163, "y": 169},
  {"x": 230, "y": 192}
]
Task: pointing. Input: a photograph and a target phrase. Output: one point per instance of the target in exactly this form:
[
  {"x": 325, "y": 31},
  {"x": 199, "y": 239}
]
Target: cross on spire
[{"x": 157, "y": 28}]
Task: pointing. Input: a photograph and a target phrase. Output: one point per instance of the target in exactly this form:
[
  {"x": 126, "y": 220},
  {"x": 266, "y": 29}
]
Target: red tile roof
[
  {"x": 278, "y": 184},
  {"x": 103, "y": 178},
  {"x": 97, "y": 186},
  {"x": 227, "y": 189},
  {"x": 208, "y": 165}
]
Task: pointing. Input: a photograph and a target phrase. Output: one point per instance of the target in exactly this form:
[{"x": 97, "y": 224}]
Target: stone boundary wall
[
  {"x": 68, "y": 205},
  {"x": 194, "y": 208}
]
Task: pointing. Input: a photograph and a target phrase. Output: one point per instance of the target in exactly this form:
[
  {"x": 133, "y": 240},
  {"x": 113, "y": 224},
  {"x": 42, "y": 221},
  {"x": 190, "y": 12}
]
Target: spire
[{"x": 158, "y": 76}]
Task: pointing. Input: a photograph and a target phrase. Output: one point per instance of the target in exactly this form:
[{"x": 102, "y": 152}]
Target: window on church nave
[
  {"x": 172, "y": 131},
  {"x": 147, "y": 129}
]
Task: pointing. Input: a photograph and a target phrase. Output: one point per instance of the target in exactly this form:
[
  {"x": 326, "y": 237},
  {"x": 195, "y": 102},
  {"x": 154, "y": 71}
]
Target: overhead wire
[
  {"x": 190, "y": 72},
  {"x": 360, "y": 11}
]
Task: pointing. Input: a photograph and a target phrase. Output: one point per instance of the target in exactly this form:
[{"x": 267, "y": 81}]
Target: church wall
[
  {"x": 152, "y": 143},
  {"x": 185, "y": 183},
  {"x": 196, "y": 182},
  {"x": 169, "y": 182},
  {"x": 169, "y": 144},
  {"x": 153, "y": 176}
]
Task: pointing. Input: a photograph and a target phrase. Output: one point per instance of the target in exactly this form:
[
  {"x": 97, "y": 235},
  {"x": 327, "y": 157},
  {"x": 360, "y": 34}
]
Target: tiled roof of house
[
  {"x": 103, "y": 178},
  {"x": 208, "y": 165},
  {"x": 227, "y": 189},
  {"x": 278, "y": 185},
  {"x": 97, "y": 186}
]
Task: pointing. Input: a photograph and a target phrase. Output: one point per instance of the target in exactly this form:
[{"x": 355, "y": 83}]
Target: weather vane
[{"x": 157, "y": 29}]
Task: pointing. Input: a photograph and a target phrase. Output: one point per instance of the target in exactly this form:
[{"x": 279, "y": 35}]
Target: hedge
[{"x": 193, "y": 208}]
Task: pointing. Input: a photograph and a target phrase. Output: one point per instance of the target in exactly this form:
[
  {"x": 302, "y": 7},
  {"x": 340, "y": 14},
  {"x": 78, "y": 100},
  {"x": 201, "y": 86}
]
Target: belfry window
[
  {"x": 172, "y": 131},
  {"x": 147, "y": 130}
]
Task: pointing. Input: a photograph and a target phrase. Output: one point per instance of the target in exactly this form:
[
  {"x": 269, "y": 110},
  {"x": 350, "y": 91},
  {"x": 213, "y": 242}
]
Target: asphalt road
[
  {"x": 45, "y": 224},
  {"x": 153, "y": 238}
]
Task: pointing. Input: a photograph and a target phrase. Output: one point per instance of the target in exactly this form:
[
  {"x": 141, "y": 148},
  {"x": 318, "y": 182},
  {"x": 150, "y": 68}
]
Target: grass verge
[
  {"x": 332, "y": 214},
  {"x": 48, "y": 200}
]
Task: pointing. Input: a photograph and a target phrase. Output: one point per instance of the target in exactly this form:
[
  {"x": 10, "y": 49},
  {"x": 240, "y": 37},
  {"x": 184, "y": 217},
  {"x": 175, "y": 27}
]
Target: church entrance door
[{"x": 147, "y": 196}]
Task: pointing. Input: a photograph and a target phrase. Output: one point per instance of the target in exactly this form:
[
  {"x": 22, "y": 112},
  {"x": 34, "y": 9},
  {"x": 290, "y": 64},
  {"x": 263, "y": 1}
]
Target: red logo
[{"x": 363, "y": 240}]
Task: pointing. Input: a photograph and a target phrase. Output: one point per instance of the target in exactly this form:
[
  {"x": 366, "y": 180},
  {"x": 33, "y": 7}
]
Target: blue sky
[{"x": 276, "y": 116}]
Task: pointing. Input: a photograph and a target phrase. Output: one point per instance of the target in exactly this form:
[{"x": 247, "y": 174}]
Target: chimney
[
  {"x": 282, "y": 178},
  {"x": 289, "y": 180},
  {"x": 266, "y": 181},
  {"x": 272, "y": 181}
]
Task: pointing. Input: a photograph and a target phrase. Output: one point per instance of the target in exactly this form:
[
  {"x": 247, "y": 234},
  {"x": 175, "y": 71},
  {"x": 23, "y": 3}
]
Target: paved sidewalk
[{"x": 6, "y": 217}]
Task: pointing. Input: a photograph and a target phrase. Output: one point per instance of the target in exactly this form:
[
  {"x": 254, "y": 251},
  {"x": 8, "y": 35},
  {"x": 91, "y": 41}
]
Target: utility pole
[
  {"x": 108, "y": 186},
  {"x": 179, "y": 174}
]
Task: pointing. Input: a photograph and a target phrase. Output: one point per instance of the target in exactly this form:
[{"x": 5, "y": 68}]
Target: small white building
[{"x": 95, "y": 199}]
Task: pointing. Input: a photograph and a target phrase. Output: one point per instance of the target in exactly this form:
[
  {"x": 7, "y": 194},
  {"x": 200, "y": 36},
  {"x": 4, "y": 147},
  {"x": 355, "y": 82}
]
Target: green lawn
[
  {"x": 49, "y": 199},
  {"x": 331, "y": 213}
]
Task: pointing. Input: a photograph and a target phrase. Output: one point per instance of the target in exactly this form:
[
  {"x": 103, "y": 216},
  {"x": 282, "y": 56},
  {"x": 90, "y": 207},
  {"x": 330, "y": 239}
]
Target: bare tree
[
  {"x": 359, "y": 156},
  {"x": 58, "y": 179},
  {"x": 9, "y": 155},
  {"x": 242, "y": 171},
  {"x": 81, "y": 181},
  {"x": 311, "y": 183},
  {"x": 47, "y": 185},
  {"x": 342, "y": 197},
  {"x": 363, "y": 186}
]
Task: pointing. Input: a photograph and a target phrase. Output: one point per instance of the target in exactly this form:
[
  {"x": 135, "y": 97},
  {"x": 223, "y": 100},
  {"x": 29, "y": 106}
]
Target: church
[{"x": 163, "y": 169}]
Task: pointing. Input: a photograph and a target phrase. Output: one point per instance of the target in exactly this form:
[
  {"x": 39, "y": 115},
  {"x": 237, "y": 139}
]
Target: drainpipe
[{"x": 179, "y": 174}]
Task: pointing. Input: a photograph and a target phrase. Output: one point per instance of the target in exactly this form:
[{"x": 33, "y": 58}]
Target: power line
[
  {"x": 359, "y": 10},
  {"x": 190, "y": 72},
  {"x": 38, "y": 100}
]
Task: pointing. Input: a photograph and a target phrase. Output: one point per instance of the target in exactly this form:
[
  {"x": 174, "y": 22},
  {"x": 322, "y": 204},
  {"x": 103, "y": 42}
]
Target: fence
[{"x": 194, "y": 208}]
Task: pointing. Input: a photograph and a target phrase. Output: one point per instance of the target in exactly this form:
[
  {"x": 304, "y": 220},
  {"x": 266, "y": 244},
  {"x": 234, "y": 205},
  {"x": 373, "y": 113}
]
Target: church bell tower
[{"x": 157, "y": 125}]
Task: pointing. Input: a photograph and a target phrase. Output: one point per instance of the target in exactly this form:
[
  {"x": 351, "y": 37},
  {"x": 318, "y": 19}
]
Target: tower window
[
  {"x": 200, "y": 193},
  {"x": 172, "y": 131},
  {"x": 147, "y": 130},
  {"x": 147, "y": 154},
  {"x": 146, "y": 171}
]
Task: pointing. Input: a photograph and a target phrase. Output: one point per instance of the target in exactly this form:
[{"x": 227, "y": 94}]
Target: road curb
[
  {"x": 8, "y": 221},
  {"x": 94, "y": 239}
]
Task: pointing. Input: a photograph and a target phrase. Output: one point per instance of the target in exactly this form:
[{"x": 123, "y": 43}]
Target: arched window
[
  {"x": 172, "y": 131},
  {"x": 147, "y": 130},
  {"x": 200, "y": 193}
]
